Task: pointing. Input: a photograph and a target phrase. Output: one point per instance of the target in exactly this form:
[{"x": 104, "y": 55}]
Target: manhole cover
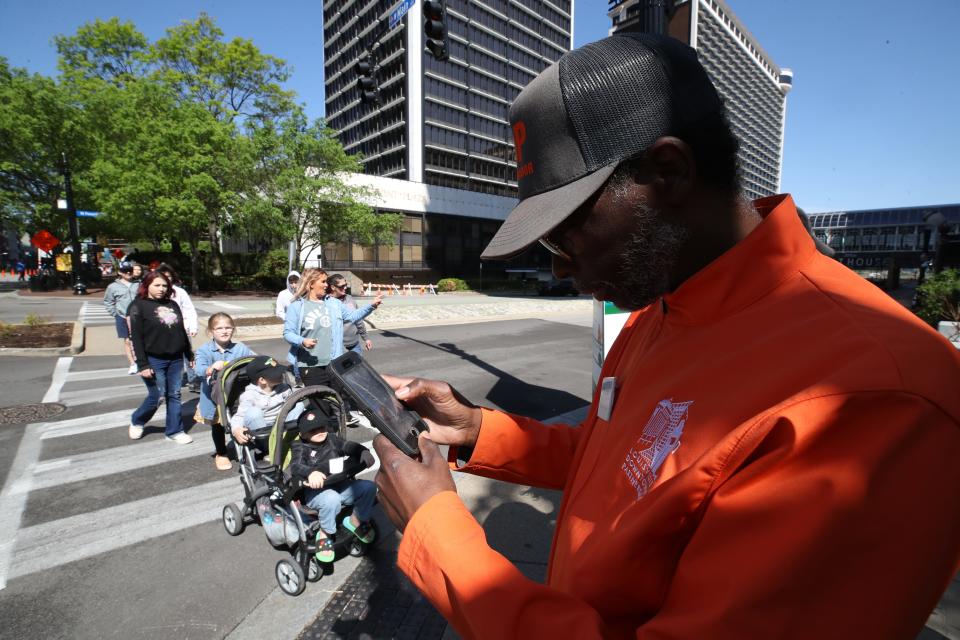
[{"x": 25, "y": 413}]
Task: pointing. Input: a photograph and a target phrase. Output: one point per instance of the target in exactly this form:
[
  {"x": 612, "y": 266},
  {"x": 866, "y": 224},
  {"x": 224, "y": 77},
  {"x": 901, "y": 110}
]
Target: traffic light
[
  {"x": 369, "y": 92},
  {"x": 434, "y": 14}
]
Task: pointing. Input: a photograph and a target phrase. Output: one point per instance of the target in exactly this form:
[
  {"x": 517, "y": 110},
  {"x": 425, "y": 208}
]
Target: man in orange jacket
[{"x": 774, "y": 448}]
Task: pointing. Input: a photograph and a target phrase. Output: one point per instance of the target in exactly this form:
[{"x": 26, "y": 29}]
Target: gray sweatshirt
[
  {"x": 118, "y": 296},
  {"x": 353, "y": 332},
  {"x": 268, "y": 402}
]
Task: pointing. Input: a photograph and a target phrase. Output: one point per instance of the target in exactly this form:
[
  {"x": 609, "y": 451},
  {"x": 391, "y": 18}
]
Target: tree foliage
[
  {"x": 939, "y": 297},
  {"x": 304, "y": 195},
  {"x": 177, "y": 139}
]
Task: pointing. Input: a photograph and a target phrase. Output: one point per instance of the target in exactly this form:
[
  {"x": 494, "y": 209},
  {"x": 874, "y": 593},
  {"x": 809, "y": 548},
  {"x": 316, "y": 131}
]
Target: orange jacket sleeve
[
  {"x": 517, "y": 449},
  {"x": 798, "y": 535}
]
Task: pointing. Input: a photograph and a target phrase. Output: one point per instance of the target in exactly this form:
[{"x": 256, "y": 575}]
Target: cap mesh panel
[{"x": 618, "y": 99}]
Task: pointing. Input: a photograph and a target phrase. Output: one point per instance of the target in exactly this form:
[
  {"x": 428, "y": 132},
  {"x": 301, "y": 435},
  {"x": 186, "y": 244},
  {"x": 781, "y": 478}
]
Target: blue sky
[{"x": 870, "y": 121}]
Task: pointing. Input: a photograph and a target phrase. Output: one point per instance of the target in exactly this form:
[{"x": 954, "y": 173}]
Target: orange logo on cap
[{"x": 519, "y": 137}]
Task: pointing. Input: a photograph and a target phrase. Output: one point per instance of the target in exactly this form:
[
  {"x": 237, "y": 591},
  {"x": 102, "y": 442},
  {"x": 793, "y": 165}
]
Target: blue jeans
[
  {"x": 328, "y": 501},
  {"x": 165, "y": 380},
  {"x": 357, "y": 348}
]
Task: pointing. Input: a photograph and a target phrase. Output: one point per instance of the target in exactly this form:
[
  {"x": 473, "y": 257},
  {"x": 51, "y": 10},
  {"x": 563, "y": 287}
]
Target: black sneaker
[{"x": 195, "y": 386}]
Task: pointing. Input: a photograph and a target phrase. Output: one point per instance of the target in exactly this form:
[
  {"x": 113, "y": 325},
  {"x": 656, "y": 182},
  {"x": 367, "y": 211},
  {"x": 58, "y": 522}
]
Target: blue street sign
[
  {"x": 400, "y": 11},
  {"x": 87, "y": 214}
]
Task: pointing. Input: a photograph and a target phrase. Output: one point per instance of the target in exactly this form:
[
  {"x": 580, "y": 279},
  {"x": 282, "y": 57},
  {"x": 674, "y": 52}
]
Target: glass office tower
[
  {"x": 752, "y": 86},
  {"x": 439, "y": 123}
]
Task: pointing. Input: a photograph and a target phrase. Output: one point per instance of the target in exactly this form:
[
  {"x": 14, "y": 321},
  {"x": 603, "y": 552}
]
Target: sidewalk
[{"x": 102, "y": 340}]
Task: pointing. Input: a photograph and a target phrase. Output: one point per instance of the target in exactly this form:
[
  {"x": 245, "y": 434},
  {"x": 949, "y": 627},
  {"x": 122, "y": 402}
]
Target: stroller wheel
[
  {"x": 233, "y": 520},
  {"x": 357, "y": 549},
  {"x": 290, "y": 577},
  {"x": 315, "y": 571}
]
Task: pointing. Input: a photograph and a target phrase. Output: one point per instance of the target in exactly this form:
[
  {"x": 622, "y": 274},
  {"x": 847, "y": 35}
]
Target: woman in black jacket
[{"x": 160, "y": 345}]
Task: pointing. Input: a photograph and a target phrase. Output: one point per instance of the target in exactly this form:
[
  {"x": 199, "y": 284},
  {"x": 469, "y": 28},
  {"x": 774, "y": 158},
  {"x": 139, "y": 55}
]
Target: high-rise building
[
  {"x": 753, "y": 87},
  {"x": 438, "y": 122}
]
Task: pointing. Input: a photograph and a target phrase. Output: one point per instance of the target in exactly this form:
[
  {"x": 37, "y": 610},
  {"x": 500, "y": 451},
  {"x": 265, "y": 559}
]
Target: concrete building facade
[{"x": 752, "y": 86}]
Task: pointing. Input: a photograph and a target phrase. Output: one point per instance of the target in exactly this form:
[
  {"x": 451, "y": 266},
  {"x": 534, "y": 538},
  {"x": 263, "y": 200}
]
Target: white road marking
[
  {"x": 93, "y": 314},
  {"x": 87, "y": 424},
  {"x": 225, "y": 305},
  {"x": 43, "y": 467},
  {"x": 58, "y": 542},
  {"x": 98, "y": 374},
  {"x": 105, "y": 462},
  {"x": 87, "y": 396},
  {"x": 59, "y": 377},
  {"x": 13, "y": 498}
]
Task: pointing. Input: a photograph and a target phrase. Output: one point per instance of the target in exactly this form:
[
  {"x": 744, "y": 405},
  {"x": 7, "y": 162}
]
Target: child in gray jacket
[
  {"x": 116, "y": 300},
  {"x": 260, "y": 403}
]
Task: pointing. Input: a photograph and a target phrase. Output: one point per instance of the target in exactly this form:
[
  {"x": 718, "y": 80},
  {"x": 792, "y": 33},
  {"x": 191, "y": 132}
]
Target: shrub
[
  {"x": 274, "y": 265},
  {"x": 452, "y": 284},
  {"x": 939, "y": 298},
  {"x": 33, "y": 320}
]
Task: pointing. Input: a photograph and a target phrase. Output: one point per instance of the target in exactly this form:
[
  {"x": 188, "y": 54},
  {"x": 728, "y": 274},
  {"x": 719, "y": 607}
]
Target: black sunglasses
[{"x": 339, "y": 286}]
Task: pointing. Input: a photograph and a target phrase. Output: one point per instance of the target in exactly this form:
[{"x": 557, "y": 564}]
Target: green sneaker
[
  {"x": 364, "y": 532},
  {"x": 325, "y": 550}
]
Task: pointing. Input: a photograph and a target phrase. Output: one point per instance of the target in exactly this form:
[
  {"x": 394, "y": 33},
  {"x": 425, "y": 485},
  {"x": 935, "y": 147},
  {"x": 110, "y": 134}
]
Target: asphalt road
[{"x": 105, "y": 537}]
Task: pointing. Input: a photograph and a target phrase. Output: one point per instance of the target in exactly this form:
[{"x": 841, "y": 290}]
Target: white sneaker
[
  {"x": 135, "y": 432},
  {"x": 132, "y": 369},
  {"x": 181, "y": 437}
]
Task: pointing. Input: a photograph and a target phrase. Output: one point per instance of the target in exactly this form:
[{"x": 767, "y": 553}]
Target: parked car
[{"x": 555, "y": 287}]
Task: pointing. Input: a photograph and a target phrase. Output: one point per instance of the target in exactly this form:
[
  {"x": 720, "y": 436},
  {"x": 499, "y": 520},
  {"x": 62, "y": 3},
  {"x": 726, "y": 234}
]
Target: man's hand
[
  {"x": 146, "y": 373},
  {"x": 240, "y": 434},
  {"x": 309, "y": 343},
  {"x": 406, "y": 484},
  {"x": 452, "y": 418},
  {"x": 368, "y": 344},
  {"x": 377, "y": 300},
  {"x": 315, "y": 480}
]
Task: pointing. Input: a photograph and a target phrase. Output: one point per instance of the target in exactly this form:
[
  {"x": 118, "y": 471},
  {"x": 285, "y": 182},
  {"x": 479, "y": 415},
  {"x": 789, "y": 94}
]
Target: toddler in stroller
[
  {"x": 271, "y": 495},
  {"x": 326, "y": 464}
]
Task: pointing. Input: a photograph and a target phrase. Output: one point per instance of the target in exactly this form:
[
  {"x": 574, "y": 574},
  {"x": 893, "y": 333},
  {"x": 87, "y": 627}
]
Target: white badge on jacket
[{"x": 608, "y": 392}]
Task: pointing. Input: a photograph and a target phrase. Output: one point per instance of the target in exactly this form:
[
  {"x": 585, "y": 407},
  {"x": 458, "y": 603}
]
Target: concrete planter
[{"x": 76, "y": 346}]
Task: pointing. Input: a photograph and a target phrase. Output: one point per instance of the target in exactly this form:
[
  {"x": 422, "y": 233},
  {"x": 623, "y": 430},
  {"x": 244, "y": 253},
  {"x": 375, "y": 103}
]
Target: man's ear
[{"x": 673, "y": 168}]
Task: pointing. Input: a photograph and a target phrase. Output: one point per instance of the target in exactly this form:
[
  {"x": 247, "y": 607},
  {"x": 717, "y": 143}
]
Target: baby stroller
[{"x": 271, "y": 496}]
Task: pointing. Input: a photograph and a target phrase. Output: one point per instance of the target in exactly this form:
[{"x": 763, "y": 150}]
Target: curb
[{"x": 76, "y": 346}]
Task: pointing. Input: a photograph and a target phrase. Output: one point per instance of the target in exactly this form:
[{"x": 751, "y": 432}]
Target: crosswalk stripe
[
  {"x": 96, "y": 423},
  {"x": 13, "y": 498},
  {"x": 225, "y": 305},
  {"x": 97, "y": 374},
  {"x": 58, "y": 380},
  {"x": 86, "y": 396},
  {"x": 106, "y": 462},
  {"x": 94, "y": 314},
  {"x": 58, "y": 542}
]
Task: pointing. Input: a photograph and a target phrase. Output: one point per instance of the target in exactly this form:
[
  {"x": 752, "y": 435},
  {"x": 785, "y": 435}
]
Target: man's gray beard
[{"x": 647, "y": 260}]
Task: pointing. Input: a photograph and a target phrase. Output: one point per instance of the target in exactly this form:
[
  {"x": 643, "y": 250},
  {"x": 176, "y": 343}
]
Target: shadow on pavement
[{"x": 510, "y": 393}]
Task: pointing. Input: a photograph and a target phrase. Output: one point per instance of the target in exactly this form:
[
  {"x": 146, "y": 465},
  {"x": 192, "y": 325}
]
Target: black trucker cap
[
  {"x": 595, "y": 107},
  {"x": 265, "y": 367}
]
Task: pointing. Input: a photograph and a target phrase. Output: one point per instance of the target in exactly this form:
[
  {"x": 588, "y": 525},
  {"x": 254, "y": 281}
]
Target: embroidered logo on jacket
[
  {"x": 167, "y": 316},
  {"x": 660, "y": 438}
]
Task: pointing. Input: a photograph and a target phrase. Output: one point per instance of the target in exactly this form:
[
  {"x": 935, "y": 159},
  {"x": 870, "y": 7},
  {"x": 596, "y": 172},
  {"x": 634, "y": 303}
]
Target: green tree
[
  {"x": 167, "y": 165},
  {"x": 110, "y": 51},
  {"x": 939, "y": 297},
  {"x": 231, "y": 80},
  {"x": 302, "y": 191},
  {"x": 39, "y": 120}
]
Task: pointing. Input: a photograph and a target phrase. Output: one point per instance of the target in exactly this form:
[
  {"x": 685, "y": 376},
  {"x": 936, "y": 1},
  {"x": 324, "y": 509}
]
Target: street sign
[
  {"x": 87, "y": 214},
  {"x": 400, "y": 11},
  {"x": 44, "y": 240}
]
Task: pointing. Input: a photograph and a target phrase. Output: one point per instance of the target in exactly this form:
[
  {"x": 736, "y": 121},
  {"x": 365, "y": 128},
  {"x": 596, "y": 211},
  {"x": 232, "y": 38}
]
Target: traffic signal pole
[{"x": 72, "y": 221}]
